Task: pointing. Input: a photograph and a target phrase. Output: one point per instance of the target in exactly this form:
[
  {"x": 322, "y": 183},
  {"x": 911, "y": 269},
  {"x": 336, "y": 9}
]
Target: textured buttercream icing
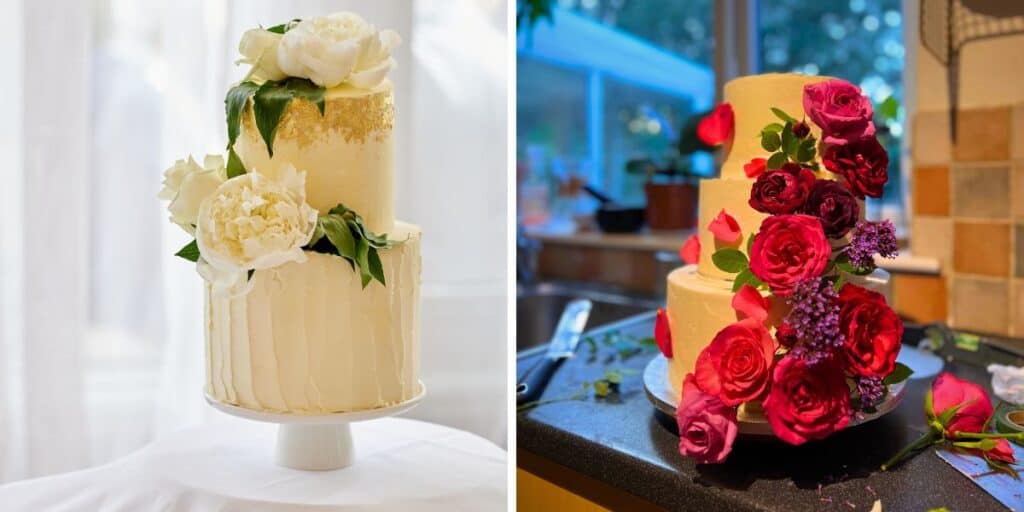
[
  {"x": 347, "y": 154},
  {"x": 308, "y": 339}
]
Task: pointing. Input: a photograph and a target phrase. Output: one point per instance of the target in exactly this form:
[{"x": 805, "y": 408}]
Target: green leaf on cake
[
  {"x": 783, "y": 116},
  {"x": 750, "y": 242},
  {"x": 790, "y": 142},
  {"x": 234, "y": 105},
  {"x": 284, "y": 27},
  {"x": 745, "y": 277},
  {"x": 899, "y": 374},
  {"x": 307, "y": 90},
  {"x": 729, "y": 260},
  {"x": 770, "y": 141},
  {"x": 772, "y": 127},
  {"x": 235, "y": 167},
  {"x": 348, "y": 237},
  {"x": 776, "y": 160},
  {"x": 189, "y": 252},
  {"x": 269, "y": 103},
  {"x": 807, "y": 150}
]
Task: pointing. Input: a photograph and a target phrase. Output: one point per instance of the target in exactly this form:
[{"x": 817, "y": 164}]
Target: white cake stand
[{"x": 316, "y": 442}]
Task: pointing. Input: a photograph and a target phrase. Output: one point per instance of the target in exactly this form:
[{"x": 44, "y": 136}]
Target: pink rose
[
  {"x": 975, "y": 406},
  {"x": 807, "y": 402},
  {"x": 707, "y": 427},
  {"x": 840, "y": 109},
  {"x": 789, "y": 249},
  {"x": 690, "y": 251},
  {"x": 725, "y": 228}
]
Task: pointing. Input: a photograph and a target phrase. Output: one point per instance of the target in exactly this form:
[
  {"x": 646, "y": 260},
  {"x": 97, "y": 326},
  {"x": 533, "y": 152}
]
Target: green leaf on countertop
[
  {"x": 284, "y": 27},
  {"x": 783, "y": 116},
  {"x": 602, "y": 388},
  {"x": 965, "y": 341},
  {"x": 647, "y": 342},
  {"x": 770, "y": 141},
  {"x": 235, "y": 166},
  {"x": 234, "y": 105},
  {"x": 776, "y": 160},
  {"x": 269, "y": 103},
  {"x": 901, "y": 373},
  {"x": 729, "y": 260},
  {"x": 591, "y": 343},
  {"x": 190, "y": 252}
]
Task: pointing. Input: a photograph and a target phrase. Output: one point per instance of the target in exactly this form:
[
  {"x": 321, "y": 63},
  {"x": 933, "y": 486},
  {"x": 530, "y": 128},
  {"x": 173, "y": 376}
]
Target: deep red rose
[
  {"x": 801, "y": 130},
  {"x": 783, "y": 190},
  {"x": 789, "y": 249},
  {"x": 755, "y": 167},
  {"x": 707, "y": 427},
  {"x": 834, "y": 206},
  {"x": 840, "y": 109},
  {"x": 872, "y": 330},
  {"x": 864, "y": 164},
  {"x": 975, "y": 407},
  {"x": 663, "y": 333},
  {"x": 786, "y": 335},
  {"x": 716, "y": 127},
  {"x": 736, "y": 366},
  {"x": 807, "y": 402}
]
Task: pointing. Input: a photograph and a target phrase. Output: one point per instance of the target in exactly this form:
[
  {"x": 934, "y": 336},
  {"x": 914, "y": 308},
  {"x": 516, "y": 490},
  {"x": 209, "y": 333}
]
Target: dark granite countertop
[{"x": 625, "y": 443}]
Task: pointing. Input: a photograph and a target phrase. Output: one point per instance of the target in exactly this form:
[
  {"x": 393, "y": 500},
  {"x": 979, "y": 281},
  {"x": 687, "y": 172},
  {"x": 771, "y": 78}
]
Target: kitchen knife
[{"x": 561, "y": 347}]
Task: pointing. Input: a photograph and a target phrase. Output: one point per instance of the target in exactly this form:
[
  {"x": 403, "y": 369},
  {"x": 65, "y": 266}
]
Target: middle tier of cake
[
  {"x": 699, "y": 307},
  {"x": 309, "y": 339}
]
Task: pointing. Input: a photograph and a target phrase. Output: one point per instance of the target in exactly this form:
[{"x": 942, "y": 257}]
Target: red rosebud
[
  {"x": 663, "y": 333},
  {"x": 789, "y": 249},
  {"x": 690, "y": 250},
  {"x": 872, "y": 330},
  {"x": 786, "y": 335},
  {"x": 1002, "y": 452},
  {"x": 725, "y": 227},
  {"x": 716, "y": 127},
  {"x": 807, "y": 402},
  {"x": 975, "y": 408},
  {"x": 864, "y": 163},
  {"x": 783, "y": 190},
  {"x": 801, "y": 129},
  {"x": 755, "y": 167},
  {"x": 736, "y": 366}
]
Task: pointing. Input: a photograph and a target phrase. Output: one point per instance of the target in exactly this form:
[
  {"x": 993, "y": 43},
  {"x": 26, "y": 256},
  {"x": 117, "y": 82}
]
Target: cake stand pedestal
[{"x": 316, "y": 442}]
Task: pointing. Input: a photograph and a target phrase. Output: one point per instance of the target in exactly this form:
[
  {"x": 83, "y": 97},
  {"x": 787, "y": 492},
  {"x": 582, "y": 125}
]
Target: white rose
[
  {"x": 259, "y": 49},
  {"x": 338, "y": 48},
  {"x": 186, "y": 184},
  {"x": 253, "y": 222}
]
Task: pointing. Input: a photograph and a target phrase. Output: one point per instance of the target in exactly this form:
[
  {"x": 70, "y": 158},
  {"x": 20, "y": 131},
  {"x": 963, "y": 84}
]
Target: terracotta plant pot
[{"x": 671, "y": 205}]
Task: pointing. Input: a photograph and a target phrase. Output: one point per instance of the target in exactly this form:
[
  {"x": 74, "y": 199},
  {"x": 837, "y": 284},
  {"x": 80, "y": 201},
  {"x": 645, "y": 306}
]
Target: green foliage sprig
[
  {"x": 734, "y": 261},
  {"x": 342, "y": 232},
  {"x": 269, "y": 101},
  {"x": 786, "y": 145}
]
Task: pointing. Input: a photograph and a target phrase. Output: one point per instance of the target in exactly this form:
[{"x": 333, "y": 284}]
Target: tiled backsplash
[{"x": 968, "y": 211}]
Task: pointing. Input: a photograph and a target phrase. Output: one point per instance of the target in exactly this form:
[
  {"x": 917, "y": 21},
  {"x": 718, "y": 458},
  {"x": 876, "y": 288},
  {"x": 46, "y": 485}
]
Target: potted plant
[{"x": 671, "y": 187}]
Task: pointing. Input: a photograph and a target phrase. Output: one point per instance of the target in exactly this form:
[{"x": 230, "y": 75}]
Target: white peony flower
[
  {"x": 253, "y": 222},
  {"x": 259, "y": 49},
  {"x": 338, "y": 48},
  {"x": 186, "y": 184}
]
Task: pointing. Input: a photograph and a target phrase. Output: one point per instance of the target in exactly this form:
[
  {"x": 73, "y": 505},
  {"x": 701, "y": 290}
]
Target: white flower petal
[{"x": 370, "y": 78}]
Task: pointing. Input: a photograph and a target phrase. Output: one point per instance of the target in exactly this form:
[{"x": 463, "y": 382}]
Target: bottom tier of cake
[
  {"x": 309, "y": 339},
  {"x": 698, "y": 307}
]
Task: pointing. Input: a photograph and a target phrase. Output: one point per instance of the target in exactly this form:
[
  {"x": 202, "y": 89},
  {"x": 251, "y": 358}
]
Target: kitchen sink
[{"x": 540, "y": 305}]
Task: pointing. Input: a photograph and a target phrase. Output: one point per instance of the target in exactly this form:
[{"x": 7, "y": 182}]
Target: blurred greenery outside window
[{"x": 858, "y": 40}]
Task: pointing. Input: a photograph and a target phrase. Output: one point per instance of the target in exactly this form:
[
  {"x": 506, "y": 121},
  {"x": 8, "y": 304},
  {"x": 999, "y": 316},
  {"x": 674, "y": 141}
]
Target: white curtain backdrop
[{"x": 100, "y": 325}]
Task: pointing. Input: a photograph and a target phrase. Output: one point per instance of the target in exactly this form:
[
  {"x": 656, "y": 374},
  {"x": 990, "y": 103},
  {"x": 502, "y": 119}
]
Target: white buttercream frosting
[{"x": 309, "y": 339}]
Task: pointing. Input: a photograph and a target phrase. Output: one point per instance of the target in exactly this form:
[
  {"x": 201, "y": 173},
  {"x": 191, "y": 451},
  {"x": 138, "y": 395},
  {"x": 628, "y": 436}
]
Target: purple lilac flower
[
  {"x": 871, "y": 391},
  {"x": 870, "y": 238},
  {"x": 814, "y": 318}
]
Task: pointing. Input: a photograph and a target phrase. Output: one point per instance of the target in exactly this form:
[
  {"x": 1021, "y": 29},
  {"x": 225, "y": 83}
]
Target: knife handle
[{"x": 533, "y": 382}]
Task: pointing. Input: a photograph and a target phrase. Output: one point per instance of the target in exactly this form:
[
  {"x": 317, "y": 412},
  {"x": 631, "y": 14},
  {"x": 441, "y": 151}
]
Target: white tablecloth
[{"x": 401, "y": 465}]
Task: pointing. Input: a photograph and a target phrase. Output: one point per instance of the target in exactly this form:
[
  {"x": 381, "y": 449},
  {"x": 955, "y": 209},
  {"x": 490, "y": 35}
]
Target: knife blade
[{"x": 561, "y": 347}]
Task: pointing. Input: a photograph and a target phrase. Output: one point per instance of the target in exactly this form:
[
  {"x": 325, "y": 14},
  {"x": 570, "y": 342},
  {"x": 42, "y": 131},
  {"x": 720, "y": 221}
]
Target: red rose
[
  {"x": 755, "y": 167},
  {"x": 716, "y": 127},
  {"x": 864, "y": 164},
  {"x": 735, "y": 366},
  {"x": 707, "y": 427},
  {"x": 789, "y": 249},
  {"x": 872, "y": 329},
  {"x": 975, "y": 407},
  {"x": 662, "y": 333},
  {"x": 807, "y": 402},
  {"x": 834, "y": 206},
  {"x": 782, "y": 190}
]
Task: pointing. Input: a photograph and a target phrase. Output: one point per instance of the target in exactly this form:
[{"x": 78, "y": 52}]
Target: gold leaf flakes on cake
[{"x": 355, "y": 118}]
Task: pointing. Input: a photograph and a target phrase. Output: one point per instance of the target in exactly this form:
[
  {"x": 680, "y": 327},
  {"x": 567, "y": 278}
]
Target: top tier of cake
[
  {"x": 347, "y": 153},
  {"x": 751, "y": 98}
]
